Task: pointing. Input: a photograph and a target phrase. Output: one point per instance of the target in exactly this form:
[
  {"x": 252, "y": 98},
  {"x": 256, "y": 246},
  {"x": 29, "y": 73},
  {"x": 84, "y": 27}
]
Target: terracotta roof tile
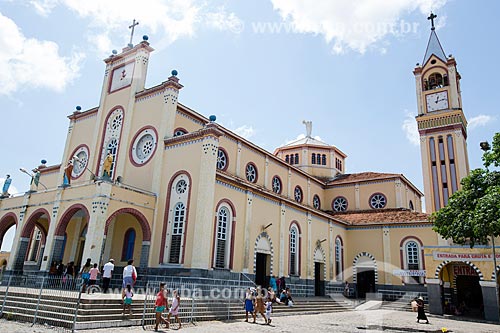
[
  {"x": 362, "y": 176},
  {"x": 381, "y": 216}
]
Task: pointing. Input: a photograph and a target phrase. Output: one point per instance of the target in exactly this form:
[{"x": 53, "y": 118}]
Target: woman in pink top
[{"x": 94, "y": 271}]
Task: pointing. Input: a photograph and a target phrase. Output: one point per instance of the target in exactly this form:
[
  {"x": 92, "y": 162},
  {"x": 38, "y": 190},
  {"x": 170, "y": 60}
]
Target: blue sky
[{"x": 261, "y": 66}]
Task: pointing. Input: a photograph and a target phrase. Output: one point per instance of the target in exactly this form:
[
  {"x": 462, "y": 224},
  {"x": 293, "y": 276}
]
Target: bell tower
[{"x": 441, "y": 124}]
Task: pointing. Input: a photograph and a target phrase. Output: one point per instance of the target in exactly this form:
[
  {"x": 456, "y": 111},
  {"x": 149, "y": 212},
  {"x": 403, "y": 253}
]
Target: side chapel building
[{"x": 187, "y": 197}]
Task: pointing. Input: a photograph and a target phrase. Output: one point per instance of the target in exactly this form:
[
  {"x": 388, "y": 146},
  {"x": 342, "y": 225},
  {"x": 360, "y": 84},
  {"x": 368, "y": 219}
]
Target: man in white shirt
[{"x": 107, "y": 272}]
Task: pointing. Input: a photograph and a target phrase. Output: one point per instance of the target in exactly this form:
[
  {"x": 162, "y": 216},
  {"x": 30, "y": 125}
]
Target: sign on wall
[
  {"x": 463, "y": 256},
  {"x": 464, "y": 270},
  {"x": 408, "y": 272}
]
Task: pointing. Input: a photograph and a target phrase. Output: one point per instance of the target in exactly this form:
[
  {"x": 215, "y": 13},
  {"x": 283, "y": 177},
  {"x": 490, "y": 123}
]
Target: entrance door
[
  {"x": 261, "y": 270},
  {"x": 319, "y": 282},
  {"x": 469, "y": 295},
  {"x": 365, "y": 282}
]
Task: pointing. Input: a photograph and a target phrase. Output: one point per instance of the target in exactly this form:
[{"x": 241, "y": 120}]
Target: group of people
[
  {"x": 260, "y": 301},
  {"x": 161, "y": 305}
]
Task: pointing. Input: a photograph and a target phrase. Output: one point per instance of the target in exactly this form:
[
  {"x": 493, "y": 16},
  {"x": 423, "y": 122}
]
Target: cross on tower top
[
  {"x": 134, "y": 23},
  {"x": 431, "y": 18}
]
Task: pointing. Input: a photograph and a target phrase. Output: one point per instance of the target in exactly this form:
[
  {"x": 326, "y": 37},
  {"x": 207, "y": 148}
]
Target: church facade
[{"x": 146, "y": 177}]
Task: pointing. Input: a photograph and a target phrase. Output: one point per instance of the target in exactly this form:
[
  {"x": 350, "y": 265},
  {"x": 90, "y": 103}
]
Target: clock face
[
  {"x": 437, "y": 101},
  {"x": 122, "y": 77}
]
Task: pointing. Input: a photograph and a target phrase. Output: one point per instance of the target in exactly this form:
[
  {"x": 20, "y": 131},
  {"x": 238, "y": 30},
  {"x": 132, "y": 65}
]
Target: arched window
[
  {"x": 223, "y": 237},
  {"x": 294, "y": 246},
  {"x": 296, "y": 158},
  {"x": 412, "y": 260},
  {"x": 435, "y": 80},
  {"x": 36, "y": 241},
  {"x": 175, "y": 227},
  {"x": 323, "y": 159},
  {"x": 313, "y": 159},
  {"x": 128, "y": 245},
  {"x": 111, "y": 142},
  {"x": 339, "y": 253},
  {"x": 287, "y": 159}
]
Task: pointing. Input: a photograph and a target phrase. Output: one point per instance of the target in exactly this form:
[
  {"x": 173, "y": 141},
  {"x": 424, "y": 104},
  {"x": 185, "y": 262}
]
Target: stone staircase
[{"x": 100, "y": 311}]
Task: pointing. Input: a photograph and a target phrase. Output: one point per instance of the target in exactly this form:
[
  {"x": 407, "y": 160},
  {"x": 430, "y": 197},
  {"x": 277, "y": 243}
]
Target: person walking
[
  {"x": 421, "y": 312},
  {"x": 85, "y": 274},
  {"x": 174, "y": 309},
  {"x": 249, "y": 299},
  {"x": 127, "y": 295},
  {"x": 269, "y": 309},
  {"x": 160, "y": 305},
  {"x": 107, "y": 272},
  {"x": 94, "y": 271},
  {"x": 259, "y": 304},
  {"x": 129, "y": 274}
]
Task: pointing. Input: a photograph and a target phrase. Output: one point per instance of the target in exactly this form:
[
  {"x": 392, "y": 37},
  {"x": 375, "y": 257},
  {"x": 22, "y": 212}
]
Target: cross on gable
[
  {"x": 124, "y": 73},
  {"x": 431, "y": 18},
  {"x": 134, "y": 23}
]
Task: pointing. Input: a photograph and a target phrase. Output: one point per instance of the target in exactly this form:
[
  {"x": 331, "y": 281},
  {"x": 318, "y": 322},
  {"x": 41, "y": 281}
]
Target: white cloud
[
  {"x": 355, "y": 25},
  {"x": 245, "y": 131},
  {"x": 480, "y": 120},
  {"x": 167, "y": 20},
  {"x": 410, "y": 128},
  {"x": 32, "y": 62}
]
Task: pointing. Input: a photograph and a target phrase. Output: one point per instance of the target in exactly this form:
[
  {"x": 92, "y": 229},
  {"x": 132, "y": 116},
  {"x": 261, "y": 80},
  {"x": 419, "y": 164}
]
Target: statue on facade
[
  {"x": 308, "y": 124},
  {"x": 108, "y": 162},
  {"x": 35, "y": 180},
  {"x": 68, "y": 170},
  {"x": 6, "y": 185}
]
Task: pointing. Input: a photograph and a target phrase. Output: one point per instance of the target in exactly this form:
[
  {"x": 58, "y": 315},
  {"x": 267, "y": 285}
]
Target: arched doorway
[
  {"x": 8, "y": 225},
  {"x": 364, "y": 274},
  {"x": 461, "y": 292},
  {"x": 128, "y": 235},
  {"x": 31, "y": 245},
  {"x": 70, "y": 236},
  {"x": 319, "y": 272},
  {"x": 263, "y": 260}
]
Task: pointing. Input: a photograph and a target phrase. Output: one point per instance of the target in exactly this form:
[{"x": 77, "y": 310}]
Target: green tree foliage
[{"x": 473, "y": 213}]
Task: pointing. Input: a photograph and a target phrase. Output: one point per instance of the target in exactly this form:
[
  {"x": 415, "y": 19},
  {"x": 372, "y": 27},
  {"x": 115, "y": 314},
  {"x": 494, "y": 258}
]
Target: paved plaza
[{"x": 351, "y": 321}]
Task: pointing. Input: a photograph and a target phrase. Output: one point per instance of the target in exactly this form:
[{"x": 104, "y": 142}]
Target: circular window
[
  {"x": 339, "y": 204},
  {"x": 80, "y": 161},
  {"x": 251, "y": 172},
  {"x": 221, "y": 159},
  {"x": 378, "y": 201},
  {"x": 144, "y": 146},
  {"x": 181, "y": 187},
  {"x": 297, "y": 193},
  {"x": 316, "y": 202},
  {"x": 276, "y": 183}
]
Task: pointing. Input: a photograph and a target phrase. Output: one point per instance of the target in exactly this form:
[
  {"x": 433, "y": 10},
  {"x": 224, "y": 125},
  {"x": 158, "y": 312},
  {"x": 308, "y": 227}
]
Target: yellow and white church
[{"x": 153, "y": 180}]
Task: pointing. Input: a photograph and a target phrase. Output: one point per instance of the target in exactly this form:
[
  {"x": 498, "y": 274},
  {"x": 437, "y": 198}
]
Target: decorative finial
[
  {"x": 431, "y": 18},
  {"x": 78, "y": 108},
  {"x": 134, "y": 23},
  {"x": 174, "y": 72},
  {"x": 114, "y": 52},
  {"x": 308, "y": 124},
  {"x": 145, "y": 38},
  {"x": 212, "y": 118}
]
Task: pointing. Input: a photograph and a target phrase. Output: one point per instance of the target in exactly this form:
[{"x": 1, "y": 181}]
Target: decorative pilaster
[
  {"x": 203, "y": 227},
  {"x": 283, "y": 239},
  {"x": 356, "y": 196},
  {"x": 386, "y": 241},
  {"x": 238, "y": 160},
  {"x": 248, "y": 220},
  {"x": 50, "y": 242},
  {"x": 309, "y": 261}
]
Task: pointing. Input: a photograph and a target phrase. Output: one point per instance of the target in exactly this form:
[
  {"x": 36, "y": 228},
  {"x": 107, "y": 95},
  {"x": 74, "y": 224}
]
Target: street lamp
[
  {"x": 485, "y": 146},
  {"x": 76, "y": 158}
]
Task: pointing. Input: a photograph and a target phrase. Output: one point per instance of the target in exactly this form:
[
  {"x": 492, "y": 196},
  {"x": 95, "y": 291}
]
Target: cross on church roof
[
  {"x": 134, "y": 23},
  {"x": 431, "y": 18}
]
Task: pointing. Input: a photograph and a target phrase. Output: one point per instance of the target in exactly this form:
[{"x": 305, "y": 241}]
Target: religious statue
[
  {"x": 68, "y": 170},
  {"x": 6, "y": 185},
  {"x": 308, "y": 124},
  {"x": 35, "y": 179},
  {"x": 108, "y": 162}
]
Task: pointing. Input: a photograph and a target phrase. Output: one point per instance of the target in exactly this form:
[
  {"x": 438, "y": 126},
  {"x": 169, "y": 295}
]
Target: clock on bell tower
[{"x": 441, "y": 124}]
